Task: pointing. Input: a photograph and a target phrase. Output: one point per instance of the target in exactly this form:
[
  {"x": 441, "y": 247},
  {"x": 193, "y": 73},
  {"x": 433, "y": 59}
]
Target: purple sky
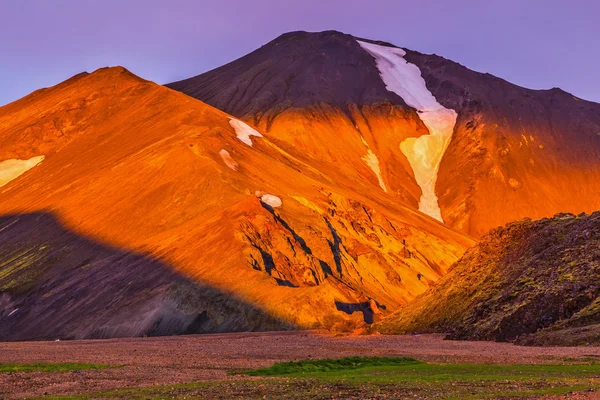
[{"x": 533, "y": 43}]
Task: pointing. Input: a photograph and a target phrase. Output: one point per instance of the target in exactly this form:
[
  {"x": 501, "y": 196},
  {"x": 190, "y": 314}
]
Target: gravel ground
[{"x": 197, "y": 358}]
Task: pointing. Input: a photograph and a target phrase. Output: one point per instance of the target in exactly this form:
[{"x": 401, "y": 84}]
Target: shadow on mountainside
[{"x": 57, "y": 284}]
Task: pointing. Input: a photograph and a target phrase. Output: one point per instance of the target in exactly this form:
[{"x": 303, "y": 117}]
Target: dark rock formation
[{"x": 537, "y": 282}]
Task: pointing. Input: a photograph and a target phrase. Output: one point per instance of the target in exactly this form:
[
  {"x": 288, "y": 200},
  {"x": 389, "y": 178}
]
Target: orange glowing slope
[
  {"x": 513, "y": 153},
  {"x": 144, "y": 168}
]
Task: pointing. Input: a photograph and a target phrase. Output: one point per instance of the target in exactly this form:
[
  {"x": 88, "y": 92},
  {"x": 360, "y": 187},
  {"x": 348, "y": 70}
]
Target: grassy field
[{"x": 379, "y": 377}]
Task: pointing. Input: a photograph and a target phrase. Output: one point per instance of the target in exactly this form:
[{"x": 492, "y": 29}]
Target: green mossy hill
[{"x": 534, "y": 282}]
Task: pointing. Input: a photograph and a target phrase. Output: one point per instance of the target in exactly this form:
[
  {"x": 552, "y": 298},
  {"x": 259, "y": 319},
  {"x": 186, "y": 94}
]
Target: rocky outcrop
[{"x": 535, "y": 282}]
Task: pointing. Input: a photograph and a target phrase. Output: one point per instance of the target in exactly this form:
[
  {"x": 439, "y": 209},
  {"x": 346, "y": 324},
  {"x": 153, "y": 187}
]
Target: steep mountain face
[
  {"x": 515, "y": 152},
  {"x": 355, "y": 107},
  {"x": 531, "y": 281},
  {"x": 144, "y": 211}
]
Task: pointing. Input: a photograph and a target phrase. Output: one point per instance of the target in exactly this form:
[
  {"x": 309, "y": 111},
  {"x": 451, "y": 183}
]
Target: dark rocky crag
[{"x": 533, "y": 282}]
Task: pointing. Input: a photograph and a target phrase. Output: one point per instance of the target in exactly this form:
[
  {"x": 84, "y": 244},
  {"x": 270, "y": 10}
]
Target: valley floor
[{"x": 205, "y": 366}]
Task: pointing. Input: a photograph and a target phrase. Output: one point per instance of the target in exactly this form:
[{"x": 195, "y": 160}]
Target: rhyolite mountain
[
  {"x": 534, "y": 282},
  {"x": 322, "y": 181},
  {"x": 131, "y": 209},
  {"x": 514, "y": 152}
]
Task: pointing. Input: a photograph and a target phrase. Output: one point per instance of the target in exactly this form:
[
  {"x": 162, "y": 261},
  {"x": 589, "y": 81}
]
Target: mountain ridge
[{"x": 508, "y": 143}]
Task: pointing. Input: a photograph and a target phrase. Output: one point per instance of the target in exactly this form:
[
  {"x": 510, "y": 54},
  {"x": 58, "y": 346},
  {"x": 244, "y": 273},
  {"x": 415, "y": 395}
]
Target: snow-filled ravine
[
  {"x": 13, "y": 168},
  {"x": 423, "y": 153}
]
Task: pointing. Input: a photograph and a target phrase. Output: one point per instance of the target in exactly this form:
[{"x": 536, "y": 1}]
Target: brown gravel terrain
[{"x": 209, "y": 358}]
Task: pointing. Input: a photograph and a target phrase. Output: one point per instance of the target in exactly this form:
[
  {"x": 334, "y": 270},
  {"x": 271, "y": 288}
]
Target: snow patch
[
  {"x": 373, "y": 162},
  {"x": 12, "y": 169},
  {"x": 244, "y": 131},
  {"x": 424, "y": 153},
  {"x": 13, "y": 311},
  {"x": 228, "y": 160},
  {"x": 269, "y": 199}
]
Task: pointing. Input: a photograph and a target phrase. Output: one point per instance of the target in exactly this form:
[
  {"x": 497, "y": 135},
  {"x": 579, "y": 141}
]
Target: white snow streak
[
  {"x": 228, "y": 160},
  {"x": 424, "y": 153},
  {"x": 12, "y": 169},
  {"x": 373, "y": 162},
  {"x": 243, "y": 131},
  {"x": 13, "y": 311}
]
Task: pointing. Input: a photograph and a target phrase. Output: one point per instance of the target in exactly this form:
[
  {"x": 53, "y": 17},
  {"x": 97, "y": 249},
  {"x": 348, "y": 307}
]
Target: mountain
[
  {"x": 322, "y": 181},
  {"x": 128, "y": 208},
  {"x": 464, "y": 147},
  {"x": 535, "y": 282}
]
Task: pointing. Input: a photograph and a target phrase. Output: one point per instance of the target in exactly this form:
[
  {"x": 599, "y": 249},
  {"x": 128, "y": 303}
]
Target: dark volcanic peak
[
  {"x": 297, "y": 69},
  {"x": 379, "y": 42}
]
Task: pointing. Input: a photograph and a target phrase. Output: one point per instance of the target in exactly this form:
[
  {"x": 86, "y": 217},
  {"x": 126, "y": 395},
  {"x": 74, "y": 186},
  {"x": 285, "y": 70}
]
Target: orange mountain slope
[
  {"x": 513, "y": 152},
  {"x": 139, "y": 167}
]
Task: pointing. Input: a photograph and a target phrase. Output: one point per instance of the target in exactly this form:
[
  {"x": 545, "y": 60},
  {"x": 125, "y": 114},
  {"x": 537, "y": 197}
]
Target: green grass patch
[
  {"x": 366, "y": 377},
  {"x": 392, "y": 369},
  {"x": 51, "y": 367},
  {"x": 330, "y": 365}
]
